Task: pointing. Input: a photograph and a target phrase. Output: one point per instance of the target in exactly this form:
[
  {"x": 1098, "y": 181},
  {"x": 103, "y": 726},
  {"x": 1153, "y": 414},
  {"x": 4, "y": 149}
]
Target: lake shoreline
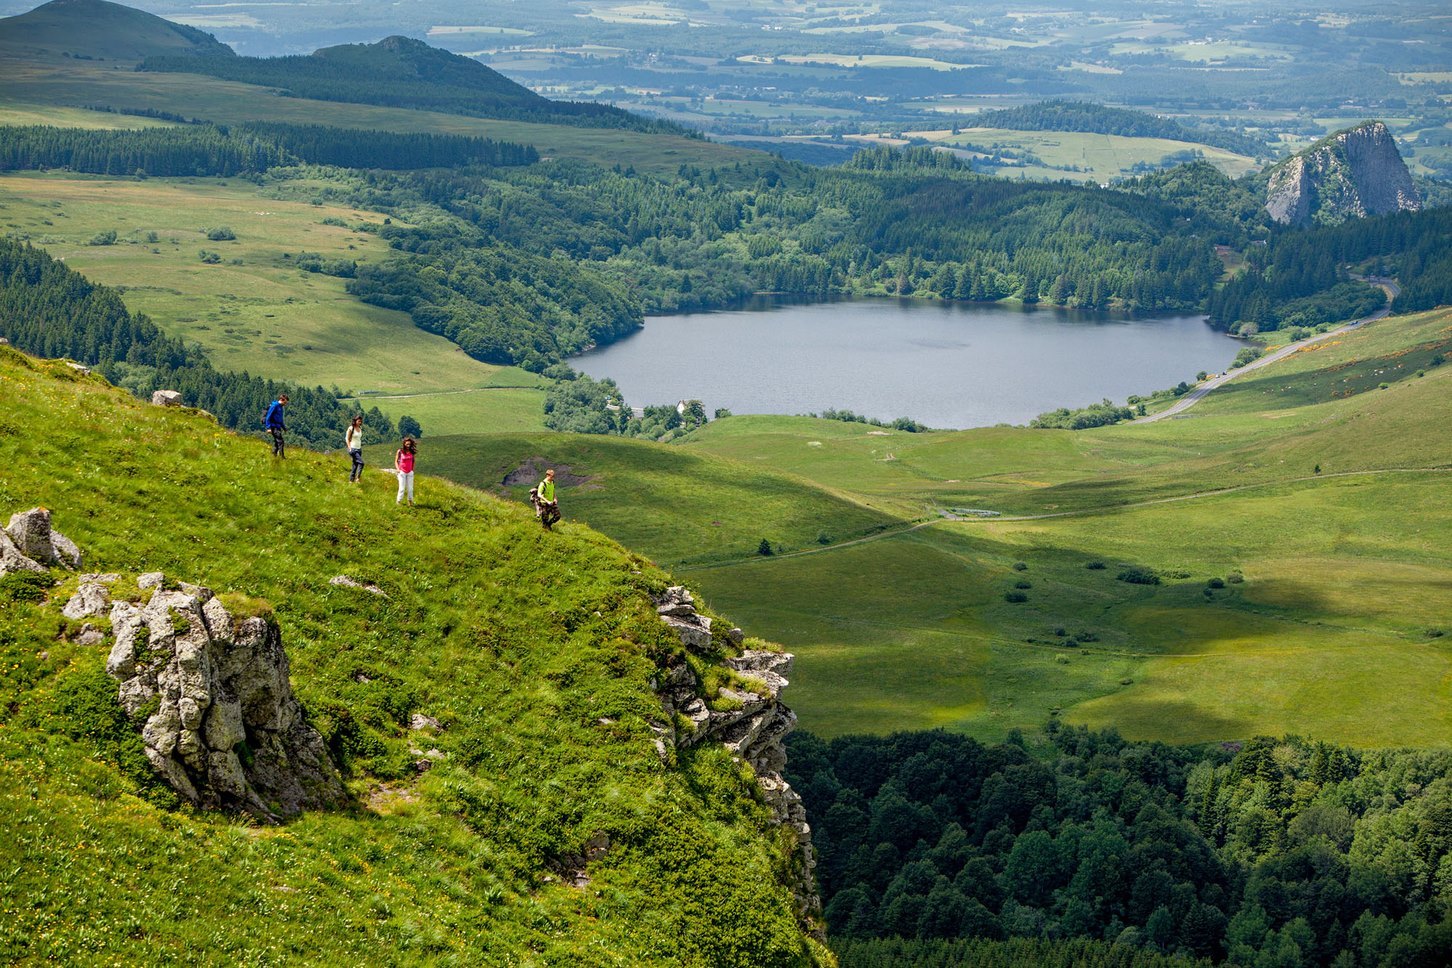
[{"x": 943, "y": 364}]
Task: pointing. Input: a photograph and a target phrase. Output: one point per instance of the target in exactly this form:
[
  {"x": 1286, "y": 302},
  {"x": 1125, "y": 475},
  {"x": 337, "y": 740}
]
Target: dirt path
[{"x": 1194, "y": 396}]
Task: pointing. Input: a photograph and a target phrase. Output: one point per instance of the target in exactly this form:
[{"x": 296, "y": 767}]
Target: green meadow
[
  {"x": 1097, "y": 156},
  {"x": 254, "y": 310},
  {"x": 1296, "y": 521}
]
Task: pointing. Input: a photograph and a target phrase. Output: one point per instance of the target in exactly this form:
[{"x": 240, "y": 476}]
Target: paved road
[{"x": 1195, "y": 395}]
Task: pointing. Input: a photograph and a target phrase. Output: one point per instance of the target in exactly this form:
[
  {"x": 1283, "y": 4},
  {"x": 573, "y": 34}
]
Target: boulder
[
  {"x": 211, "y": 696},
  {"x": 92, "y": 598},
  {"x": 27, "y": 543},
  {"x": 166, "y": 398},
  {"x": 12, "y": 559},
  {"x": 30, "y": 530}
]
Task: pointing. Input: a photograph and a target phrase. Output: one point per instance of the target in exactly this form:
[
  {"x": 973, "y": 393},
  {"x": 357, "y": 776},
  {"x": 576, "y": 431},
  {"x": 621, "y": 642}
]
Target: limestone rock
[
  {"x": 343, "y": 581},
  {"x": 214, "y": 704},
  {"x": 677, "y": 608},
  {"x": 419, "y": 721},
  {"x": 27, "y": 543},
  {"x": 12, "y": 559},
  {"x": 166, "y": 398},
  {"x": 92, "y": 598},
  {"x": 753, "y": 724},
  {"x": 1350, "y": 174}
]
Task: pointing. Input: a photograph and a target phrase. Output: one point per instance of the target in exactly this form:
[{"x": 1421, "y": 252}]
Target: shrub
[
  {"x": 1247, "y": 355},
  {"x": 1060, "y": 632},
  {"x": 103, "y": 238},
  {"x": 1095, "y": 565},
  {"x": 221, "y": 234},
  {"x": 1215, "y": 583},
  {"x": 1435, "y": 633},
  {"x": 1015, "y": 597},
  {"x": 409, "y": 427},
  {"x": 25, "y": 586},
  {"x": 1139, "y": 575},
  {"x": 1235, "y": 578},
  {"x": 1085, "y": 636},
  {"x": 1023, "y": 584},
  {"x": 1020, "y": 566},
  {"x": 764, "y": 549}
]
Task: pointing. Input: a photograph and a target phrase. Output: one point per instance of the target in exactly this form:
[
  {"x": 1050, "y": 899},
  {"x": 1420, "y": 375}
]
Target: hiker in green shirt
[{"x": 546, "y": 506}]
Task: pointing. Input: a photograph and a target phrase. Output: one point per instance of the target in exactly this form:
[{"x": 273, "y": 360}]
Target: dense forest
[
  {"x": 406, "y": 73},
  {"x": 1098, "y": 119},
  {"x": 611, "y": 245},
  {"x": 1275, "y": 852},
  {"x": 49, "y": 310},
  {"x": 256, "y": 147},
  {"x": 1299, "y": 278}
]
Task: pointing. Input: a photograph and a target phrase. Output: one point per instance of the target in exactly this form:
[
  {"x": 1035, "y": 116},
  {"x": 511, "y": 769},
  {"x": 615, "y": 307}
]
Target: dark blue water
[{"x": 943, "y": 364}]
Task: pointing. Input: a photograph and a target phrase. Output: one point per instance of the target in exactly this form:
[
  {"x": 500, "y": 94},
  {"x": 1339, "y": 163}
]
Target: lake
[{"x": 945, "y": 365}]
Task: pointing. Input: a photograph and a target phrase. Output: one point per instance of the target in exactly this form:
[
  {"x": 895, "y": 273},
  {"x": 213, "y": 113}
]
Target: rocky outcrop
[
  {"x": 748, "y": 718},
  {"x": 166, "y": 398},
  {"x": 28, "y": 543},
  {"x": 1351, "y": 174},
  {"x": 211, "y": 696}
]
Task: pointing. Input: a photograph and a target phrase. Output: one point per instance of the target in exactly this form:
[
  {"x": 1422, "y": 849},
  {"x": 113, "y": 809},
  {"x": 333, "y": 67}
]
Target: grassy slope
[
  {"x": 687, "y": 508},
  {"x": 534, "y": 650},
  {"x": 1344, "y": 571},
  {"x": 262, "y": 315}
]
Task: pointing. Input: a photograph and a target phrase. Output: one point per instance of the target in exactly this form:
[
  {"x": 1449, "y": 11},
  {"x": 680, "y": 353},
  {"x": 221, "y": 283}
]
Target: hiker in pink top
[{"x": 403, "y": 461}]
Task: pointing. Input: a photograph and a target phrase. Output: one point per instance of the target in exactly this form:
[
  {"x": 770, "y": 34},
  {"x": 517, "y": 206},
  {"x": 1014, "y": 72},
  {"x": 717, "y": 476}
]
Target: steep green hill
[
  {"x": 535, "y": 653},
  {"x": 101, "y": 30}
]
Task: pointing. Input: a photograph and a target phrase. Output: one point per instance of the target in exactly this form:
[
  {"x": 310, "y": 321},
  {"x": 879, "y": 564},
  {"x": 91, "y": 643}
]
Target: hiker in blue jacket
[{"x": 277, "y": 425}]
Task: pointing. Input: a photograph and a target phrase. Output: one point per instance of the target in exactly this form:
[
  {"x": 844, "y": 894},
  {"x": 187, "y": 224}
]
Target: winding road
[{"x": 1194, "y": 396}]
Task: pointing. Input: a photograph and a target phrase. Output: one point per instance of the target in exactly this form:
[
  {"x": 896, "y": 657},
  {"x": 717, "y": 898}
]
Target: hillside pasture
[{"x": 252, "y": 310}]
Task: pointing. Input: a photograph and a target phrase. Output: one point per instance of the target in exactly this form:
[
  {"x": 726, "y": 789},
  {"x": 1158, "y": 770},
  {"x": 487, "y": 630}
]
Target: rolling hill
[{"x": 99, "y": 30}]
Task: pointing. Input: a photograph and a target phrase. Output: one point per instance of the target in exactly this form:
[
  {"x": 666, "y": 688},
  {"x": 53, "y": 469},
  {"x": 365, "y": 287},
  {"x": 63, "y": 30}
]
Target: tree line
[
  {"x": 218, "y": 150},
  {"x": 1274, "y": 852},
  {"x": 1299, "y": 276},
  {"x": 49, "y": 310}
]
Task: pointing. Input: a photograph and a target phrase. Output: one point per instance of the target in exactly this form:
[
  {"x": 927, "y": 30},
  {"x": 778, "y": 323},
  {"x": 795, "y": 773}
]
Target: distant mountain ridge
[
  {"x": 100, "y": 30},
  {"x": 1349, "y": 174},
  {"x": 407, "y": 73}
]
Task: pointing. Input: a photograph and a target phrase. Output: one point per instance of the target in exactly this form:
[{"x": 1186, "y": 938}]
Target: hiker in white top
[{"x": 354, "y": 441}]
